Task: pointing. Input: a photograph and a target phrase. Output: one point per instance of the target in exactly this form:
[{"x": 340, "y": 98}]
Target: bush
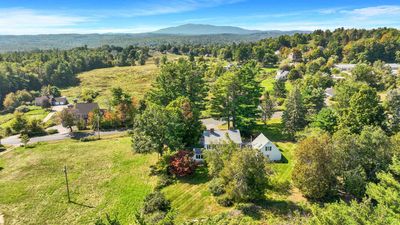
[
  {"x": 8, "y": 131},
  {"x": 22, "y": 109},
  {"x": 164, "y": 181},
  {"x": 156, "y": 201},
  {"x": 89, "y": 138},
  {"x": 280, "y": 101},
  {"x": 182, "y": 164},
  {"x": 216, "y": 187},
  {"x": 81, "y": 124},
  {"x": 224, "y": 200},
  {"x": 247, "y": 208},
  {"x": 52, "y": 131},
  {"x": 35, "y": 128}
]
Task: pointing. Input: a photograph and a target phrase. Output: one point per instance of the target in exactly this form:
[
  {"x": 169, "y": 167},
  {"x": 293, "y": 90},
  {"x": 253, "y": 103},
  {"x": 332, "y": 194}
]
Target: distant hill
[
  {"x": 10, "y": 43},
  {"x": 204, "y": 29}
]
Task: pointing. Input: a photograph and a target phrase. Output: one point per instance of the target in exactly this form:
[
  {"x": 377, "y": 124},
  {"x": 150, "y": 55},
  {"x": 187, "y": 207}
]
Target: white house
[
  {"x": 266, "y": 146},
  {"x": 198, "y": 155}
]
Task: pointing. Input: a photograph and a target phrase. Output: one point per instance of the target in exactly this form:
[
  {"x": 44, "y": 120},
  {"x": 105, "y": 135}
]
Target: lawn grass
[
  {"x": 191, "y": 198},
  {"x": 104, "y": 176},
  {"x": 268, "y": 84},
  {"x": 34, "y": 113}
]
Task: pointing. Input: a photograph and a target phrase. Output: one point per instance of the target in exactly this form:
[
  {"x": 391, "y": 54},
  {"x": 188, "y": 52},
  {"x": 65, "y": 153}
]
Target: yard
[
  {"x": 34, "y": 113},
  {"x": 105, "y": 177}
]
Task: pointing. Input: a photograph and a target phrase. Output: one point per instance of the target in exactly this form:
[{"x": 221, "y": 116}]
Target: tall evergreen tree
[{"x": 294, "y": 115}]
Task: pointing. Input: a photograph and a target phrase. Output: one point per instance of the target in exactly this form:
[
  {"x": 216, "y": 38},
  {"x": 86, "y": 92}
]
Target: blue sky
[{"x": 132, "y": 16}]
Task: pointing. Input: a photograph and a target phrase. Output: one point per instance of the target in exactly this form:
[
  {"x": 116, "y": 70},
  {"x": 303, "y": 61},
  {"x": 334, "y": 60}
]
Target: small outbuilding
[{"x": 266, "y": 146}]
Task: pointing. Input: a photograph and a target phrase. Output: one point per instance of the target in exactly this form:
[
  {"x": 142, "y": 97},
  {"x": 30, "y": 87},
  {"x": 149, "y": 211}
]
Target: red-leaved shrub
[{"x": 182, "y": 164}]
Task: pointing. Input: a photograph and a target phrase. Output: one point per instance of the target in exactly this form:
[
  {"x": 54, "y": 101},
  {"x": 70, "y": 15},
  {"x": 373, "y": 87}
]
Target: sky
[{"x": 134, "y": 16}]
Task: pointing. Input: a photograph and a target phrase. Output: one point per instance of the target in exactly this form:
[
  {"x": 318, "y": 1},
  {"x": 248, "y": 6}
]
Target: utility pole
[
  {"x": 66, "y": 182},
  {"x": 98, "y": 124}
]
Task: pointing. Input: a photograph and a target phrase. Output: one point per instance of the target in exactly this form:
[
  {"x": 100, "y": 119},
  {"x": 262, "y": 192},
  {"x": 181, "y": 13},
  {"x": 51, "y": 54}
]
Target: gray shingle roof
[
  {"x": 85, "y": 108},
  {"x": 221, "y": 136}
]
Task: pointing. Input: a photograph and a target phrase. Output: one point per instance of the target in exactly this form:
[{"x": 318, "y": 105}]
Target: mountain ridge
[{"x": 204, "y": 29}]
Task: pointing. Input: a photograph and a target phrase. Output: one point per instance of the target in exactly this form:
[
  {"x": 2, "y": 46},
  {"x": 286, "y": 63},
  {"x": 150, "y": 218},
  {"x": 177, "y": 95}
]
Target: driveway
[
  {"x": 211, "y": 123},
  {"x": 54, "y": 110}
]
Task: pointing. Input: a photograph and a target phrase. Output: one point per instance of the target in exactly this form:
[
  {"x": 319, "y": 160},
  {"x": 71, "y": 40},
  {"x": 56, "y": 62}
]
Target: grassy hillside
[
  {"x": 136, "y": 80},
  {"x": 105, "y": 177}
]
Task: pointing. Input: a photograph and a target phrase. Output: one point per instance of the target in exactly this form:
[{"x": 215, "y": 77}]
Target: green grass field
[
  {"x": 105, "y": 177},
  {"x": 136, "y": 80},
  {"x": 34, "y": 113}
]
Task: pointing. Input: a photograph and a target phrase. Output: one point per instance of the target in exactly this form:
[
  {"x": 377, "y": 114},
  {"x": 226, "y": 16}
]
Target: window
[
  {"x": 199, "y": 156},
  {"x": 268, "y": 148}
]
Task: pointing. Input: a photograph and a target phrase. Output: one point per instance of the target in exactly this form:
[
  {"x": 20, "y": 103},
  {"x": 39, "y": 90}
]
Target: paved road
[{"x": 63, "y": 134}]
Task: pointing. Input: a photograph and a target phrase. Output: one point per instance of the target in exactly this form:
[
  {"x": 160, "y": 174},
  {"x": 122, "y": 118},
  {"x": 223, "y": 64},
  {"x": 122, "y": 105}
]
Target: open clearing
[
  {"x": 105, "y": 177},
  {"x": 135, "y": 80}
]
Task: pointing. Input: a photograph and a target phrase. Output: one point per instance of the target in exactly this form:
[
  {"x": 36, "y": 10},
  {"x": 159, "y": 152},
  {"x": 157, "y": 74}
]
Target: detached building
[
  {"x": 266, "y": 146},
  {"x": 50, "y": 101}
]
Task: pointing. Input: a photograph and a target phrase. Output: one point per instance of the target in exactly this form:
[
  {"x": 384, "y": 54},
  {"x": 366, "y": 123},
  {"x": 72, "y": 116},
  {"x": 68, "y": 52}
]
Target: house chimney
[{"x": 212, "y": 130}]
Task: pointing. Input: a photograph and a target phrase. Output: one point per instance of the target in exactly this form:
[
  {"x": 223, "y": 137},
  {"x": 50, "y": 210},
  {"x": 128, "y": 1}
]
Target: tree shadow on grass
[
  {"x": 272, "y": 131},
  {"x": 280, "y": 187},
  {"x": 82, "y": 204},
  {"x": 78, "y": 135},
  {"x": 199, "y": 177},
  {"x": 280, "y": 207}
]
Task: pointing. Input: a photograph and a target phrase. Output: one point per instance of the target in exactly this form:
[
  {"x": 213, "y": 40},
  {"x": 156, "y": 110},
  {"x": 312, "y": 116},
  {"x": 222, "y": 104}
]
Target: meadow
[{"x": 107, "y": 178}]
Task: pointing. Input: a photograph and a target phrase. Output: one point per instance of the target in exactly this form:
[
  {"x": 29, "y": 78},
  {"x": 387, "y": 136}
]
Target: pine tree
[{"x": 294, "y": 115}]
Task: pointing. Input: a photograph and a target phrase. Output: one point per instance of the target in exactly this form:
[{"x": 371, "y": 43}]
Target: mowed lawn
[
  {"x": 191, "y": 198},
  {"x": 34, "y": 113},
  {"x": 105, "y": 177}
]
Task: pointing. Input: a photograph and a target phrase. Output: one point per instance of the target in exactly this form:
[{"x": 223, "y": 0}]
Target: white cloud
[
  {"x": 22, "y": 21},
  {"x": 383, "y": 10},
  {"x": 173, "y": 6}
]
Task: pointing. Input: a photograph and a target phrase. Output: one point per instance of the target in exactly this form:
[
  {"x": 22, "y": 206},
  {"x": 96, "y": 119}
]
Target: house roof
[
  {"x": 281, "y": 74},
  {"x": 260, "y": 141},
  {"x": 85, "y": 108},
  {"x": 330, "y": 92},
  {"x": 197, "y": 151},
  {"x": 60, "y": 99},
  {"x": 221, "y": 136},
  {"x": 41, "y": 98},
  {"x": 345, "y": 66}
]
